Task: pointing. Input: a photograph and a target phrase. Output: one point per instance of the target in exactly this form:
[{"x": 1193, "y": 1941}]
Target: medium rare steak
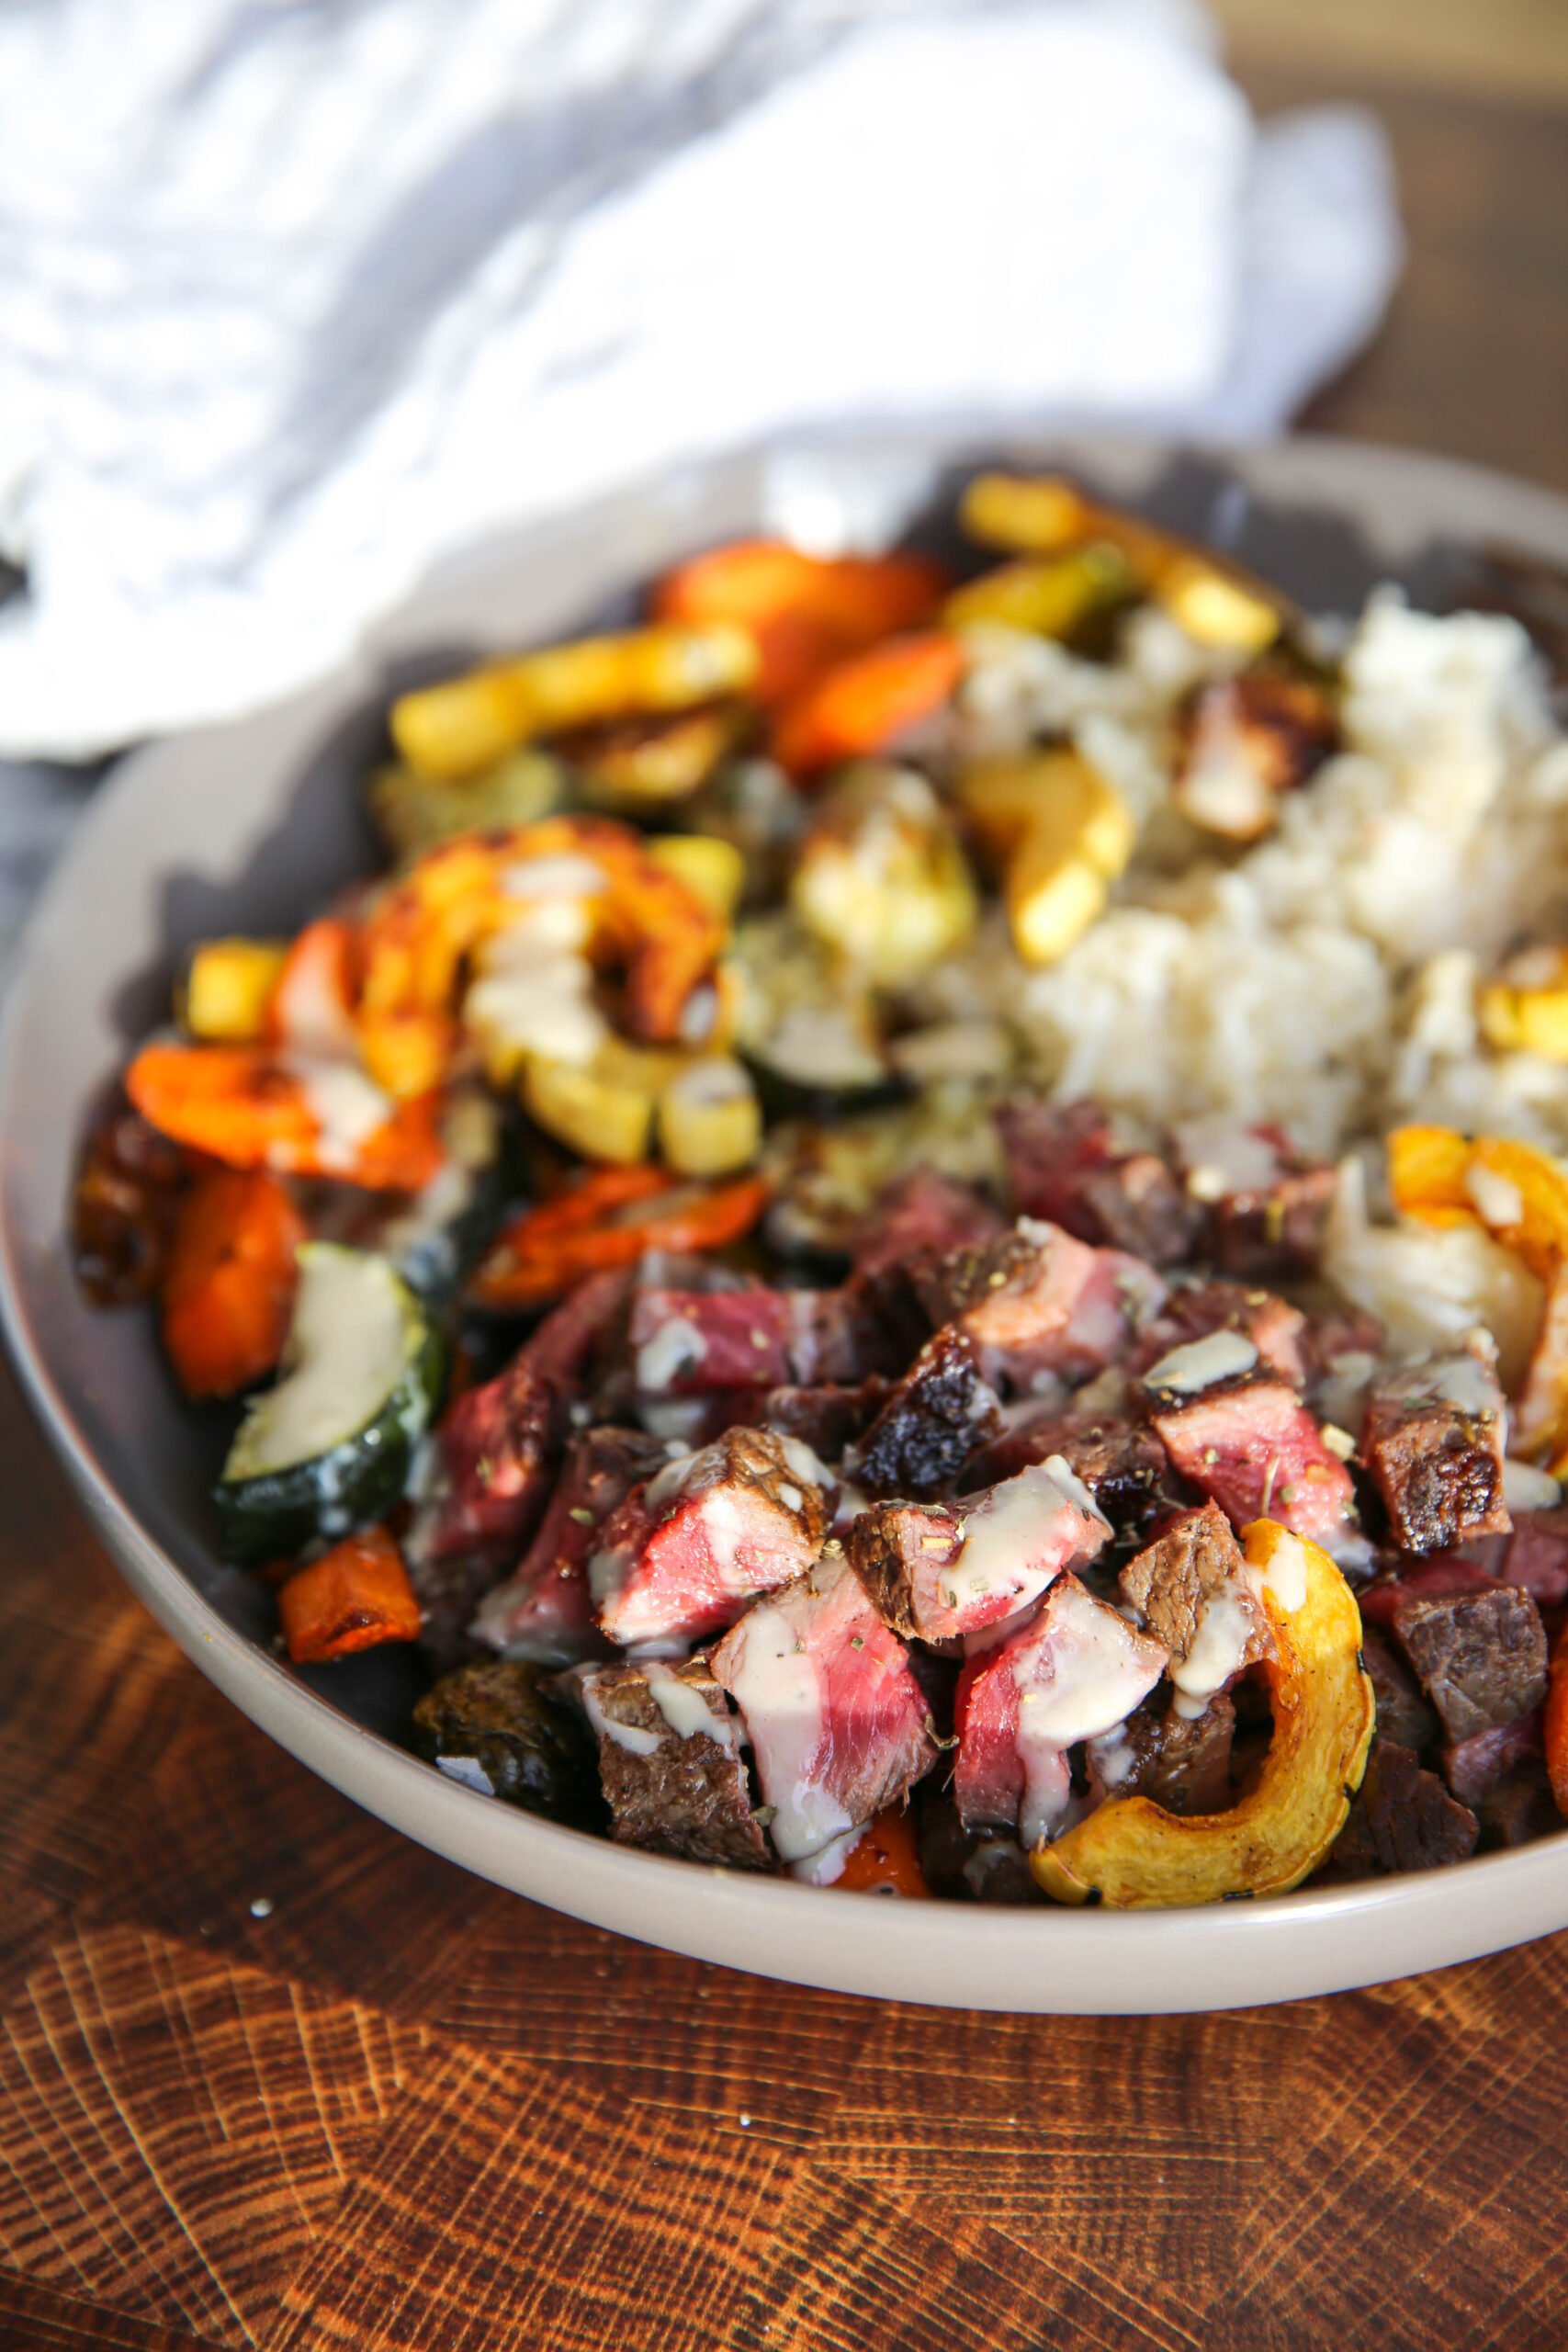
[
  {"x": 1267, "y": 1203},
  {"x": 1121, "y": 1463},
  {"x": 1433, "y": 1438},
  {"x": 1038, "y": 1302},
  {"x": 1277, "y": 1330},
  {"x": 1480, "y": 1657},
  {"x": 940, "y": 1571},
  {"x": 1251, "y": 1447},
  {"x": 544, "y": 1609},
  {"x": 1401, "y": 1818},
  {"x": 1191, "y": 1588},
  {"x": 687, "y": 1342},
  {"x": 1182, "y": 1763},
  {"x": 932, "y": 1420},
  {"x": 1065, "y": 1165},
  {"x": 670, "y": 1762},
  {"x": 684, "y": 1553},
  {"x": 493, "y": 1463},
  {"x": 838, "y": 1723},
  {"x": 1073, "y": 1673},
  {"x": 922, "y": 1215}
]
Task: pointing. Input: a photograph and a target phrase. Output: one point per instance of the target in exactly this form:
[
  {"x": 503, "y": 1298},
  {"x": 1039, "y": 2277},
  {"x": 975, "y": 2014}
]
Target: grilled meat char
[
  {"x": 940, "y": 1571},
  {"x": 838, "y": 1724},
  {"x": 685, "y": 1552},
  {"x": 1037, "y": 1305},
  {"x": 1066, "y": 1166},
  {"x": 1121, "y": 1463},
  {"x": 1433, "y": 1439},
  {"x": 544, "y": 1609},
  {"x": 670, "y": 1762},
  {"x": 1244, "y": 1440},
  {"x": 1480, "y": 1657},
  {"x": 1266, "y": 1204},
  {"x": 1181, "y": 1762},
  {"x": 1073, "y": 1673},
  {"x": 1191, "y": 1588},
  {"x": 930, "y": 1423}
]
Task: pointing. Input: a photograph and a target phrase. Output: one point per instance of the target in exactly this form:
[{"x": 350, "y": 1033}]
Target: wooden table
[{"x": 269, "y": 2075}]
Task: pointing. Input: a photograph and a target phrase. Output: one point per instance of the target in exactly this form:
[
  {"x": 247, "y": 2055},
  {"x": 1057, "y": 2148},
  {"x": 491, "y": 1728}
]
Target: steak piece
[
  {"x": 1404, "y": 1718},
  {"x": 1075, "y": 1672},
  {"x": 1191, "y": 1588},
  {"x": 544, "y": 1609},
  {"x": 1473, "y": 1766},
  {"x": 493, "y": 1463},
  {"x": 670, "y": 1762},
  {"x": 1182, "y": 1763},
  {"x": 1039, "y": 1302},
  {"x": 838, "y": 1723},
  {"x": 940, "y": 1571},
  {"x": 1242, "y": 742},
  {"x": 828, "y": 1417},
  {"x": 1121, "y": 1463},
  {"x": 930, "y": 1423},
  {"x": 972, "y": 1865},
  {"x": 1518, "y": 1810},
  {"x": 1250, "y": 1446},
  {"x": 688, "y": 1342},
  {"x": 1400, "y": 1819},
  {"x": 1065, "y": 1166},
  {"x": 1480, "y": 1657},
  {"x": 499, "y": 1728},
  {"x": 683, "y": 1554},
  {"x": 1277, "y": 1331},
  {"x": 922, "y": 1215},
  {"x": 1268, "y": 1203},
  {"x": 1432, "y": 1438},
  {"x": 1443, "y": 1577},
  {"x": 1536, "y": 1556}
]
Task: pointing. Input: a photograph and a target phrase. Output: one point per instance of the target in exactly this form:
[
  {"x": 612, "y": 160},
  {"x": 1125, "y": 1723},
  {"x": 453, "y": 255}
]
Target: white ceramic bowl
[{"x": 248, "y": 826}]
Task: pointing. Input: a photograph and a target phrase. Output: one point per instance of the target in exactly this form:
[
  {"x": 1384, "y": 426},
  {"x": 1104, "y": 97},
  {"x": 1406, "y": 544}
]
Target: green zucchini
[{"x": 330, "y": 1447}]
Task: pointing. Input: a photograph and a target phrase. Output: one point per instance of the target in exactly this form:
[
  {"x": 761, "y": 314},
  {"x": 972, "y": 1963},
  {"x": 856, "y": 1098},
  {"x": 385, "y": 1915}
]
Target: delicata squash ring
[{"x": 1133, "y": 1854}]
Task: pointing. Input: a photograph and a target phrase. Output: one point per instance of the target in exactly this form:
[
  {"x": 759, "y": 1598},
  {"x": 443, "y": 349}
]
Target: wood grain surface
[{"x": 270, "y": 2076}]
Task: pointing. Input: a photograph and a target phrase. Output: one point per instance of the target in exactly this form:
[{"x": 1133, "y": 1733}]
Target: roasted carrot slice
[
  {"x": 230, "y": 1281},
  {"x": 353, "y": 1598},
  {"x": 886, "y": 1860},
  {"x": 804, "y": 612},
  {"x": 863, "y": 704},
  {"x": 243, "y": 1107},
  {"x": 609, "y": 1220},
  {"x": 311, "y": 1009}
]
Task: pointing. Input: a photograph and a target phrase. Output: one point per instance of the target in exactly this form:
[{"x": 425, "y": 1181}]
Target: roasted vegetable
[
  {"x": 1243, "y": 743},
  {"x": 709, "y": 1119},
  {"x": 496, "y": 1728},
  {"x": 887, "y": 1858},
  {"x": 312, "y": 1007},
  {"x": 1525, "y": 1009},
  {"x": 1133, "y": 1854},
  {"x": 604, "y": 1110},
  {"x": 353, "y": 1598},
  {"x": 713, "y": 871},
  {"x": 1056, "y": 597},
  {"x": 655, "y": 763},
  {"x": 881, "y": 878},
  {"x": 1061, "y": 833},
  {"x": 248, "y": 1108},
  {"x": 807, "y": 1029},
  {"x": 467, "y": 725},
  {"x": 231, "y": 1276},
  {"x": 330, "y": 1447},
  {"x": 228, "y": 988},
  {"x": 804, "y": 612},
  {"x": 864, "y": 704},
  {"x": 124, "y": 1208},
  {"x": 609, "y": 1220},
  {"x": 412, "y": 811}
]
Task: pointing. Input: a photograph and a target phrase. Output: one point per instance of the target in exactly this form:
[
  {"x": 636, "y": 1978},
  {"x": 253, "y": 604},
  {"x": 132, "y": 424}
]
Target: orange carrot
[
  {"x": 886, "y": 1860},
  {"x": 607, "y": 1221},
  {"x": 311, "y": 1009},
  {"x": 1557, "y": 1723},
  {"x": 862, "y": 705},
  {"x": 804, "y": 612},
  {"x": 243, "y": 1107},
  {"x": 353, "y": 1598},
  {"x": 230, "y": 1281}
]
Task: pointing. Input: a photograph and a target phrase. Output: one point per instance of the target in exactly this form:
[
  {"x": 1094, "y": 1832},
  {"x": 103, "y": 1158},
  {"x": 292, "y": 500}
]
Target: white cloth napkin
[{"x": 297, "y": 295}]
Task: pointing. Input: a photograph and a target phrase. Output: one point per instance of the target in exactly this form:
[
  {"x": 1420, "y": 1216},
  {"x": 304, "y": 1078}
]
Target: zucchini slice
[{"x": 330, "y": 1447}]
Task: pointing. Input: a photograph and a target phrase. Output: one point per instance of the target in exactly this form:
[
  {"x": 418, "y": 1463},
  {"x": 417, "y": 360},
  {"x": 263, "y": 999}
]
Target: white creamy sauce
[
  {"x": 1223, "y": 1629},
  {"x": 677, "y": 1419},
  {"x": 1342, "y": 1397},
  {"x": 1072, "y": 1487},
  {"x": 1002, "y": 1536},
  {"x": 1111, "y": 1758},
  {"x": 710, "y": 1083},
  {"x": 347, "y": 1107},
  {"x": 349, "y": 1342},
  {"x": 808, "y": 1466},
  {"x": 468, "y": 1772},
  {"x": 827, "y": 1866},
  {"x": 674, "y": 1348},
  {"x": 1223, "y": 1159},
  {"x": 725, "y": 1528},
  {"x": 542, "y": 1007},
  {"x": 1200, "y": 1363},
  {"x": 1034, "y": 1229},
  {"x": 1462, "y": 1382},
  {"x": 776, "y": 1687},
  {"x": 607, "y": 1572},
  {"x": 666, "y": 1484},
  {"x": 685, "y": 1710},
  {"x": 631, "y": 1736},
  {"x": 1526, "y": 1489},
  {"x": 1097, "y": 1678},
  {"x": 791, "y": 1497},
  {"x": 1337, "y": 1442},
  {"x": 1286, "y": 1574},
  {"x": 567, "y": 876},
  {"x": 1496, "y": 1196}
]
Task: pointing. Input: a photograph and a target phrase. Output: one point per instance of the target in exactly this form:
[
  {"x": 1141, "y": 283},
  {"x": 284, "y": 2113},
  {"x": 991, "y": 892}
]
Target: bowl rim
[{"x": 970, "y": 1956}]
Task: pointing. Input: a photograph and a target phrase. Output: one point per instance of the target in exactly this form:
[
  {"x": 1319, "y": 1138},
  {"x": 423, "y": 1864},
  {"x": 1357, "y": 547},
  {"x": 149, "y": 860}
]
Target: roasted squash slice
[{"x": 1133, "y": 1854}]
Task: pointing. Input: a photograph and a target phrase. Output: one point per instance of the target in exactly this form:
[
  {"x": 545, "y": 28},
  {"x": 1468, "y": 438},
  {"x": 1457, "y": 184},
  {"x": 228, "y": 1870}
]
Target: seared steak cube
[
  {"x": 1190, "y": 1586},
  {"x": 492, "y": 1465},
  {"x": 940, "y": 1571},
  {"x": 922, "y": 1215},
  {"x": 497, "y": 1727},
  {"x": 544, "y": 1609},
  {"x": 1065, "y": 1165},
  {"x": 838, "y": 1723},
  {"x": 972, "y": 1865},
  {"x": 1038, "y": 1302},
  {"x": 1073, "y": 1673},
  {"x": 1401, "y": 1819},
  {"x": 1480, "y": 1657},
  {"x": 1433, "y": 1438},
  {"x": 1250, "y": 1446},
  {"x": 670, "y": 1762},
  {"x": 932, "y": 1420},
  {"x": 687, "y": 1342},
  {"x": 1182, "y": 1763},
  {"x": 1519, "y": 1809},
  {"x": 1536, "y": 1556},
  {"x": 1473, "y": 1766},
  {"x": 1276, "y": 1330},
  {"x": 1404, "y": 1717},
  {"x": 1121, "y": 1463},
  {"x": 1268, "y": 1203},
  {"x": 685, "y": 1553}
]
